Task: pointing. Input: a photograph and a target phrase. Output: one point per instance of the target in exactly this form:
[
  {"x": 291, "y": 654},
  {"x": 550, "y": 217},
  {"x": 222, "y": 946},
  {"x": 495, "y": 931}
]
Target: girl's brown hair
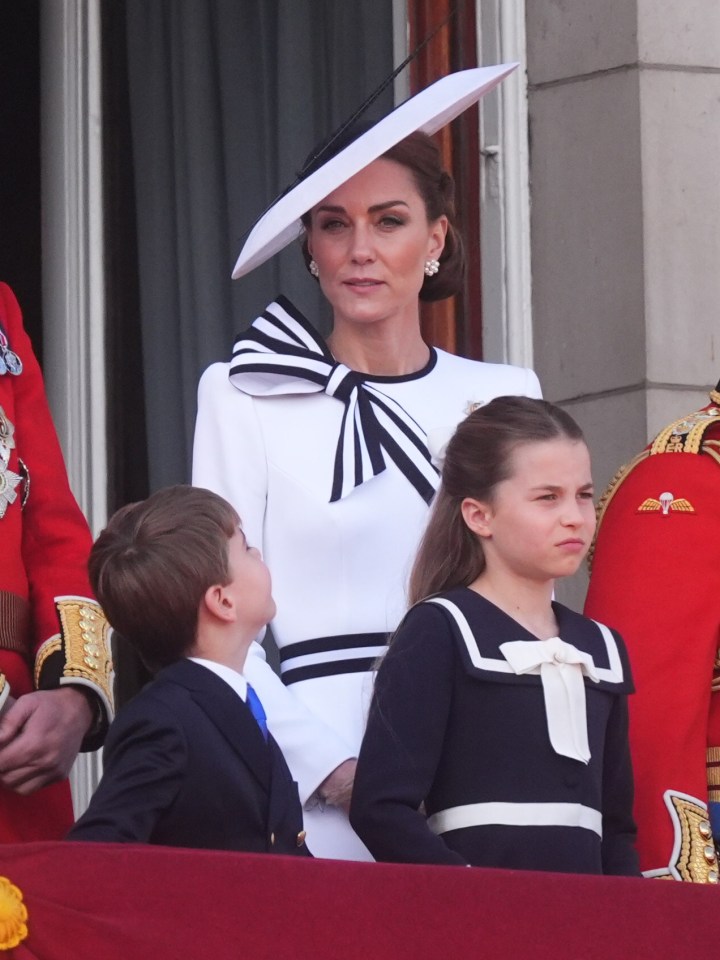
[{"x": 477, "y": 459}]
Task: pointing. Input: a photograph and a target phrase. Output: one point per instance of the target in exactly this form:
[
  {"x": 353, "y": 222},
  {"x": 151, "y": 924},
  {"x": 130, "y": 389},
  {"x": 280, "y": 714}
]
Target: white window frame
[
  {"x": 505, "y": 188},
  {"x": 73, "y": 269}
]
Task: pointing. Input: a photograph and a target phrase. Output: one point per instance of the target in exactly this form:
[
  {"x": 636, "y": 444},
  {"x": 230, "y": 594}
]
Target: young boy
[{"x": 188, "y": 762}]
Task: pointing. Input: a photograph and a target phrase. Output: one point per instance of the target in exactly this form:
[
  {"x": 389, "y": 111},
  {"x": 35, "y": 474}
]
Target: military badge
[
  {"x": 8, "y": 482},
  {"x": 9, "y": 360},
  {"x": 7, "y": 441},
  {"x": 665, "y": 504}
]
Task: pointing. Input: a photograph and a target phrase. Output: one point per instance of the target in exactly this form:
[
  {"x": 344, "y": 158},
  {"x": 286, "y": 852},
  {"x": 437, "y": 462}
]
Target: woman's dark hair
[
  {"x": 421, "y": 155},
  {"x": 477, "y": 459},
  {"x": 153, "y": 562}
]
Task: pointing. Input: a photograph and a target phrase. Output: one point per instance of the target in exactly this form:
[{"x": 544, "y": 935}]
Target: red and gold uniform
[
  {"x": 51, "y": 630},
  {"x": 654, "y": 580}
]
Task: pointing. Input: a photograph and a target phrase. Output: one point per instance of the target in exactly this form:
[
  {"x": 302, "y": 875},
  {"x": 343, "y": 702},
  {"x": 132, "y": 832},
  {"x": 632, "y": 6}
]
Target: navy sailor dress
[{"x": 462, "y": 762}]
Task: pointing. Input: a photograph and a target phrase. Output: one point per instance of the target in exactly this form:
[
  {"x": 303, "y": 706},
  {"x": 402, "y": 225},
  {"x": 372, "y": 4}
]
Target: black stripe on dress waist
[
  {"x": 331, "y": 668},
  {"x": 348, "y": 641}
]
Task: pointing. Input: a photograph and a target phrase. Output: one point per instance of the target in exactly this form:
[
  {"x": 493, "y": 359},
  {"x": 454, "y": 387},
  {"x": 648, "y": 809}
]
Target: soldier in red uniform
[
  {"x": 55, "y": 667},
  {"x": 652, "y": 578}
]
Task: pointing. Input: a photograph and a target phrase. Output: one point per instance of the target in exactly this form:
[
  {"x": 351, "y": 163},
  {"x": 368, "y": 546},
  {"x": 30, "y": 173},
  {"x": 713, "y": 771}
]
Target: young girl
[{"x": 497, "y": 734}]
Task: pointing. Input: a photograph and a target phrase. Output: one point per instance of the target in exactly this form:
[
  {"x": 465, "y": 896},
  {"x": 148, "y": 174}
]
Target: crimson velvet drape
[{"x": 103, "y": 902}]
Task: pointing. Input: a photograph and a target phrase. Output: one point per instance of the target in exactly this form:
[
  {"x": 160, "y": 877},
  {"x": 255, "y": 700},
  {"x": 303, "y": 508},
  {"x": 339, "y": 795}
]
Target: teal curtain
[{"x": 226, "y": 98}]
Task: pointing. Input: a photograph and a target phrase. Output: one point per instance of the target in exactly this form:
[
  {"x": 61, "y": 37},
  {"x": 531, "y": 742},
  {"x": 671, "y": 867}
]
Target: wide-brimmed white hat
[{"x": 427, "y": 111}]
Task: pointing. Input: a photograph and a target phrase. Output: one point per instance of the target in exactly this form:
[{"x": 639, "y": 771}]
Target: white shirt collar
[{"x": 236, "y": 680}]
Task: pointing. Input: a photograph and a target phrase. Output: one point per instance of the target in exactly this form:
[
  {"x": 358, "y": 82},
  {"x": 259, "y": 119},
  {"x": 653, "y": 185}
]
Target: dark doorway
[{"x": 20, "y": 251}]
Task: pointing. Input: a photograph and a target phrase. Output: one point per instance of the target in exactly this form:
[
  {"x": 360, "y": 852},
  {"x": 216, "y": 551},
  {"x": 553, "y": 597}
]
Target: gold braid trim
[
  {"x": 712, "y": 449},
  {"x": 85, "y": 634},
  {"x": 715, "y": 396},
  {"x": 686, "y": 434},
  {"x": 604, "y": 501},
  {"x": 695, "y": 857}
]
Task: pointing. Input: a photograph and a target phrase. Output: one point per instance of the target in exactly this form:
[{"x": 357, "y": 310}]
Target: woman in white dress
[{"x": 322, "y": 447}]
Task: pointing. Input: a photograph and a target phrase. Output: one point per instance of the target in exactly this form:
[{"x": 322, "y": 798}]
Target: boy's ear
[
  {"x": 477, "y": 515},
  {"x": 219, "y": 603}
]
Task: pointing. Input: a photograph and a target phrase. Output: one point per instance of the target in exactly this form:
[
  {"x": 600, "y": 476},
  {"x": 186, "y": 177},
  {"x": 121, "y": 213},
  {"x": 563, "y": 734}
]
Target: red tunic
[
  {"x": 51, "y": 632},
  {"x": 655, "y": 579}
]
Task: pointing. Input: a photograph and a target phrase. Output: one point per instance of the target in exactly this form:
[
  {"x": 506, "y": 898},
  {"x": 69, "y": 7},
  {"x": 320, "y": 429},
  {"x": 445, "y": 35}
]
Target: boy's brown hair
[{"x": 152, "y": 564}]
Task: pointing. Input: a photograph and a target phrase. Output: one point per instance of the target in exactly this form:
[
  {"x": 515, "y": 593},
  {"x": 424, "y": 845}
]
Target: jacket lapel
[{"x": 229, "y": 714}]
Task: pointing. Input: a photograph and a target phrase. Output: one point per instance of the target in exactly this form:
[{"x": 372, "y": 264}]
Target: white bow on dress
[{"x": 561, "y": 667}]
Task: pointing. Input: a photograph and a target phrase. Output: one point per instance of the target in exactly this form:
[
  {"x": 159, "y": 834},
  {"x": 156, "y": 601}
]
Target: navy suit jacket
[{"x": 186, "y": 765}]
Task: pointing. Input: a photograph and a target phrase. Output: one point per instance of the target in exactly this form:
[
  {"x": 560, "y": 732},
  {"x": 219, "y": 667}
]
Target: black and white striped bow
[{"x": 282, "y": 354}]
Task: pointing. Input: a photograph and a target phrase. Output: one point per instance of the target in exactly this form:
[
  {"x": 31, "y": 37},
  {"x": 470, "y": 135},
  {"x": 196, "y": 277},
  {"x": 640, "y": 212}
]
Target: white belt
[{"x": 516, "y": 815}]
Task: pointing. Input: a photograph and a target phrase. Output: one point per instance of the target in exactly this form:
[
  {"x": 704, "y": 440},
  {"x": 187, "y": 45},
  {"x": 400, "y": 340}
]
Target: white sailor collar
[
  {"x": 563, "y": 669},
  {"x": 480, "y": 647}
]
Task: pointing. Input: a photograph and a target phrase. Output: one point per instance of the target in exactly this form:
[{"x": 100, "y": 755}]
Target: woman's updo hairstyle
[
  {"x": 421, "y": 155},
  {"x": 477, "y": 459}
]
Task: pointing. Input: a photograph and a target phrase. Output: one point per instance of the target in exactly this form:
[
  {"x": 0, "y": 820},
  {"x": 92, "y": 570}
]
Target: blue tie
[{"x": 256, "y": 709}]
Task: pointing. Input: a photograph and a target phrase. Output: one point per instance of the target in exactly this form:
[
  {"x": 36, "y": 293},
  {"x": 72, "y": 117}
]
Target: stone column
[{"x": 624, "y": 114}]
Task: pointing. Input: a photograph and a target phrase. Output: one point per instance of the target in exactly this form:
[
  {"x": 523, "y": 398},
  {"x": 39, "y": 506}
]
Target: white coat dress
[{"x": 339, "y": 569}]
